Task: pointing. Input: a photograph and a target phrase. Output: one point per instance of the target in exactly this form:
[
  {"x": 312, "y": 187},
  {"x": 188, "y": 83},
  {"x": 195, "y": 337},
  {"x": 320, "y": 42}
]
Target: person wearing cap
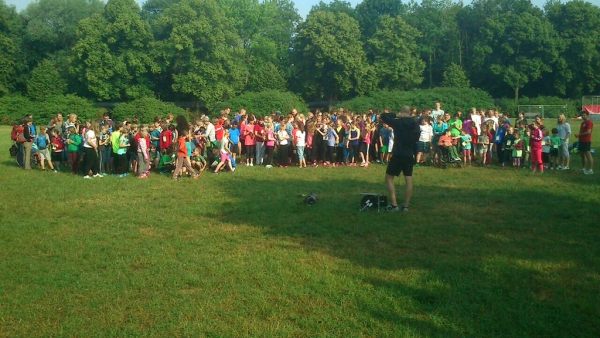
[{"x": 585, "y": 143}]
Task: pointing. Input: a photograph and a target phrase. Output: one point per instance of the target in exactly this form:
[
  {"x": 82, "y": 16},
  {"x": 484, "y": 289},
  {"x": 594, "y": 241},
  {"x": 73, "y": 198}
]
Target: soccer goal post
[
  {"x": 591, "y": 104},
  {"x": 543, "y": 110}
]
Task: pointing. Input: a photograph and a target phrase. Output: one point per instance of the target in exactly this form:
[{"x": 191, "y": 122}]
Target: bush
[
  {"x": 262, "y": 103},
  {"x": 14, "y": 107},
  {"x": 146, "y": 108},
  {"x": 452, "y": 99},
  {"x": 68, "y": 104}
]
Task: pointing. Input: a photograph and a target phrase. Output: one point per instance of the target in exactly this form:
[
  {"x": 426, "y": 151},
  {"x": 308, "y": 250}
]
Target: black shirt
[{"x": 406, "y": 133}]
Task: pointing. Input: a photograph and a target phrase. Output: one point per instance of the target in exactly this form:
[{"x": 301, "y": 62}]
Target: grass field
[{"x": 483, "y": 252}]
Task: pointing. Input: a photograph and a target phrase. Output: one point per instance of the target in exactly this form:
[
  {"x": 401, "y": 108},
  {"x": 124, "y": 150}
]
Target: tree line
[{"x": 214, "y": 50}]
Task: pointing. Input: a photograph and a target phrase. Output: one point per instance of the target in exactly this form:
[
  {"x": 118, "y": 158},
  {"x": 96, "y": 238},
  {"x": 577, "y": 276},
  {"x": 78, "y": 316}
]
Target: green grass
[{"x": 482, "y": 253}]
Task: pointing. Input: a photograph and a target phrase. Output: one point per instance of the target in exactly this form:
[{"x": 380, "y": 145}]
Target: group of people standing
[{"x": 331, "y": 139}]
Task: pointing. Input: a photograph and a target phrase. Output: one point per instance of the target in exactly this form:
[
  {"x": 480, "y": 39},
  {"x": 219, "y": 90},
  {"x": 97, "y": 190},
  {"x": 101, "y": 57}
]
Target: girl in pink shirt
[
  {"x": 535, "y": 145},
  {"x": 270, "y": 145},
  {"x": 364, "y": 145},
  {"x": 249, "y": 142}
]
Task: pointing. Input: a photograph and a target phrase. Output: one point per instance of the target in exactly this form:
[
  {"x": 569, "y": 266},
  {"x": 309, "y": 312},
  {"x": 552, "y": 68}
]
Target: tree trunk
[
  {"x": 430, "y": 68},
  {"x": 516, "y": 96}
]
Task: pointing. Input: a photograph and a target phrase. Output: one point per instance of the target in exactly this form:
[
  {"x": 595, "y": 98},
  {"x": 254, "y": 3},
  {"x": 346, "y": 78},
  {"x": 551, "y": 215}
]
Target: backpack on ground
[{"x": 13, "y": 150}]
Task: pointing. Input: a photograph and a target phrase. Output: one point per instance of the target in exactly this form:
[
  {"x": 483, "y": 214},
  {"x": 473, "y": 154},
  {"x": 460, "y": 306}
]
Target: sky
[{"x": 303, "y": 6}]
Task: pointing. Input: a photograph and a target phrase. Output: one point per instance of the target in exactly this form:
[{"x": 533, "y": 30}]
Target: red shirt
[
  {"x": 218, "y": 131},
  {"x": 259, "y": 132},
  {"x": 181, "y": 147},
  {"x": 58, "y": 144},
  {"x": 166, "y": 138},
  {"x": 586, "y": 125}
]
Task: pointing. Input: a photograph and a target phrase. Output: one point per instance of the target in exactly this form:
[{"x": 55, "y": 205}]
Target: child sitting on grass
[
  {"x": 166, "y": 163},
  {"x": 198, "y": 162}
]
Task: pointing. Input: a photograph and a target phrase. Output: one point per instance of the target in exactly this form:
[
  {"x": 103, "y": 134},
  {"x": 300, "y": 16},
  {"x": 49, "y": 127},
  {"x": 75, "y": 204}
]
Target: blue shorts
[
  {"x": 423, "y": 147},
  {"x": 300, "y": 152}
]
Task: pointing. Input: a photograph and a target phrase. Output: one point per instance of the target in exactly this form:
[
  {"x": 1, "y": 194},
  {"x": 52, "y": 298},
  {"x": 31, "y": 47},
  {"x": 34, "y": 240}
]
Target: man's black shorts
[
  {"x": 584, "y": 146},
  {"x": 399, "y": 165}
]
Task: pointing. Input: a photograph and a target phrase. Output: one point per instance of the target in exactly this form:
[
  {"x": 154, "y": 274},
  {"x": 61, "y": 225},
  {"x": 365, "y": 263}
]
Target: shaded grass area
[{"x": 482, "y": 252}]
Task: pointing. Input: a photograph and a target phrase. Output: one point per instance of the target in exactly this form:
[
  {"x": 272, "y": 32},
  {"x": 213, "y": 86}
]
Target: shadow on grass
[{"x": 489, "y": 261}]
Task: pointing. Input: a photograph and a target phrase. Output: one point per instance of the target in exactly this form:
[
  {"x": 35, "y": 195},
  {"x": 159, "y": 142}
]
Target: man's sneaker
[
  {"x": 588, "y": 172},
  {"x": 565, "y": 168},
  {"x": 86, "y": 177},
  {"x": 392, "y": 208},
  {"x": 404, "y": 208},
  {"x": 98, "y": 175},
  {"x": 268, "y": 166},
  {"x": 233, "y": 169}
]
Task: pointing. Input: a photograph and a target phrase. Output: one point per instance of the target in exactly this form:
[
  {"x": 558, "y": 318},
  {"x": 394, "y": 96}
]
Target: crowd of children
[{"x": 339, "y": 138}]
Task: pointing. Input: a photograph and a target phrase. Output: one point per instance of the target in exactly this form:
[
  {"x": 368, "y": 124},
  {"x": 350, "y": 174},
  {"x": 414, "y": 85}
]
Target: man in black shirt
[{"x": 406, "y": 134}]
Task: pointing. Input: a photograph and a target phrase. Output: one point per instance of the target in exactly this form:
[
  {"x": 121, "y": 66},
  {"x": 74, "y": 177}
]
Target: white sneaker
[
  {"x": 268, "y": 166},
  {"x": 565, "y": 168},
  {"x": 98, "y": 175},
  {"x": 251, "y": 164},
  {"x": 588, "y": 172},
  {"x": 86, "y": 177}
]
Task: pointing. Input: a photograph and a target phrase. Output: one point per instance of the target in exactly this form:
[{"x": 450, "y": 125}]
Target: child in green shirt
[{"x": 555, "y": 143}]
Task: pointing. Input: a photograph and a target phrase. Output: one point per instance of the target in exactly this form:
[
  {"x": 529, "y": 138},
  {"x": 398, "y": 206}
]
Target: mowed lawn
[{"x": 483, "y": 252}]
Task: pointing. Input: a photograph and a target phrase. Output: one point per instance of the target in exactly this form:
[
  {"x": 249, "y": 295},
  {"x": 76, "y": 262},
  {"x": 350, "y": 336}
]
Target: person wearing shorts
[
  {"x": 585, "y": 143},
  {"x": 404, "y": 127}
]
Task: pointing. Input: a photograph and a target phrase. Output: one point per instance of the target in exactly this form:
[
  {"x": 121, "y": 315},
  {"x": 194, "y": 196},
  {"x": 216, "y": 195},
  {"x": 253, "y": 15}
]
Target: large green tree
[
  {"x": 440, "y": 42},
  {"x": 112, "y": 57},
  {"x": 519, "y": 47},
  {"x": 201, "y": 53},
  {"x": 335, "y": 6},
  {"x": 266, "y": 29},
  {"x": 329, "y": 59},
  {"x": 392, "y": 50},
  {"x": 578, "y": 24},
  {"x": 45, "y": 81},
  {"x": 369, "y": 12},
  {"x": 51, "y": 25},
  {"x": 10, "y": 54}
]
